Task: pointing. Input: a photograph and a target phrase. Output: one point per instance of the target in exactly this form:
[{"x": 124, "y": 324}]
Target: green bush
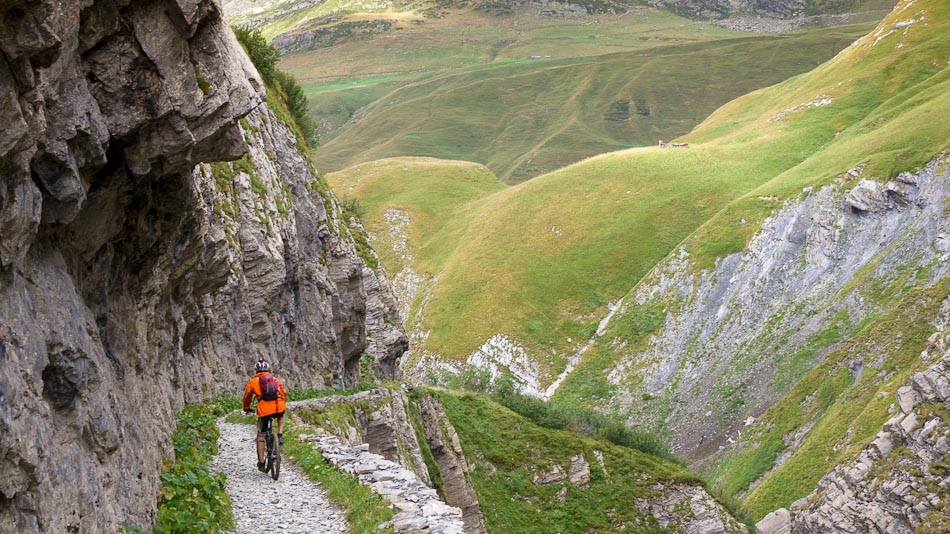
[
  {"x": 352, "y": 206},
  {"x": 192, "y": 499},
  {"x": 297, "y": 104},
  {"x": 262, "y": 54}
]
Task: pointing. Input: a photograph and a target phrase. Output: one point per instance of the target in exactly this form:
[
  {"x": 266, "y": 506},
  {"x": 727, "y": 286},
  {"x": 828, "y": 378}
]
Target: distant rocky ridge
[
  {"x": 331, "y": 28},
  {"x": 779, "y": 9},
  {"x": 133, "y": 281},
  {"x": 717, "y": 9}
]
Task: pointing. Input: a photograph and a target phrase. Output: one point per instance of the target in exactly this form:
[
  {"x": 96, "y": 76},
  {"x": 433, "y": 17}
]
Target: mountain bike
[{"x": 272, "y": 450}]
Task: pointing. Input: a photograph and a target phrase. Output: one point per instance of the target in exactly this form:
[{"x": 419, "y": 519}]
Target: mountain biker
[{"x": 271, "y": 399}]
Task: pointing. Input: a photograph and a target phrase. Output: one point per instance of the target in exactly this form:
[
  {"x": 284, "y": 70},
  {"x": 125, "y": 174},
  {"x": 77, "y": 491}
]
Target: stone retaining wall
[{"x": 418, "y": 507}]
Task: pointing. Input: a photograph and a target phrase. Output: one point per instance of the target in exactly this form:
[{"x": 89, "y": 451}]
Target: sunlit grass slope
[
  {"x": 508, "y": 451},
  {"x": 343, "y": 78},
  {"x": 553, "y": 113},
  {"x": 437, "y": 195},
  {"x": 539, "y": 261}
]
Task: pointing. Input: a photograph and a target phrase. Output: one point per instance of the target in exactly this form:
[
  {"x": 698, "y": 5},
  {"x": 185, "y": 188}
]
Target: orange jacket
[{"x": 253, "y": 388}]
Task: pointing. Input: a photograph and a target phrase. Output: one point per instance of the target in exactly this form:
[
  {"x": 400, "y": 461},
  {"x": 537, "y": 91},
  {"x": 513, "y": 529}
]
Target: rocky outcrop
[
  {"x": 578, "y": 474},
  {"x": 696, "y": 377},
  {"x": 418, "y": 507},
  {"x": 443, "y": 443},
  {"x": 718, "y": 9},
  {"x": 378, "y": 417},
  {"x": 387, "y": 341},
  {"x": 899, "y": 482},
  {"x": 132, "y": 281},
  {"x": 685, "y": 508}
]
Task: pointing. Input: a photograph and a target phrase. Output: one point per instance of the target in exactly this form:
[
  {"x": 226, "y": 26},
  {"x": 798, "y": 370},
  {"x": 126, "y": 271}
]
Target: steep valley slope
[{"x": 787, "y": 267}]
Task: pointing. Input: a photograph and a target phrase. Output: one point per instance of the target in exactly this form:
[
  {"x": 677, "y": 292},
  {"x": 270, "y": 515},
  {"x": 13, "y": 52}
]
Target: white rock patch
[
  {"x": 819, "y": 101},
  {"x": 407, "y": 281},
  {"x": 501, "y": 351}
]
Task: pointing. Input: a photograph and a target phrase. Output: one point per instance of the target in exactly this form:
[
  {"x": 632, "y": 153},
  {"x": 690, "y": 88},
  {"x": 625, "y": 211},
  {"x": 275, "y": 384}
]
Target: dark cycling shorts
[{"x": 263, "y": 423}]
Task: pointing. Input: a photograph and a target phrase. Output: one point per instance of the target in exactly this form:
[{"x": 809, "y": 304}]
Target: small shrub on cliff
[
  {"x": 297, "y": 104},
  {"x": 264, "y": 56}
]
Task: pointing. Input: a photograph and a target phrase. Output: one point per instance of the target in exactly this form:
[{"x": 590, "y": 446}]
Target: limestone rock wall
[
  {"x": 387, "y": 340},
  {"x": 131, "y": 281},
  {"x": 900, "y": 482},
  {"x": 443, "y": 443}
]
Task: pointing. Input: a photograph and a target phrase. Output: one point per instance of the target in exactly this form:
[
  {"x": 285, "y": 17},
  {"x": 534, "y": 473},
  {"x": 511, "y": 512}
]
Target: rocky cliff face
[
  {"x": 132, "y": 281},
  {"x": 899, "y": 482},
  {"x": 443, "y": 443},
  {"x": 734, "y": 338}
]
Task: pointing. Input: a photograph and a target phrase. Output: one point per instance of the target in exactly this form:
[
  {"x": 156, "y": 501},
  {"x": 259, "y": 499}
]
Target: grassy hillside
[
  {"x": 438, "y": 196},
  {"x": 508, "y": 451},
  {"x": 554, "y": 113},
  {"x": 352, "y": 73},
  {"x": 870, "y": 107},
  {"x": 576, "y": 239}
]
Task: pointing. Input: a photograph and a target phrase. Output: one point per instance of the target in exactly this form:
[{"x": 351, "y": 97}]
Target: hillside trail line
[{"x": 291, "y": 505}]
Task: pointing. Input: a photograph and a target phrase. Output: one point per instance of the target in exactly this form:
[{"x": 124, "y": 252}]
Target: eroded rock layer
[
  {"x": 131, "y": 281},
  {"x": 899, "y": 482},
  {"x": 696, "y": 376}
]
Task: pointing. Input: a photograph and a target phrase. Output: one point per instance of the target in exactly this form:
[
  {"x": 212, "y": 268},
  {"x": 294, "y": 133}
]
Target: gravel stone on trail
[{"x": 293, "y": 504}]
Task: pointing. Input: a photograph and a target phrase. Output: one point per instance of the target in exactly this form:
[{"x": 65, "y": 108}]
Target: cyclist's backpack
[{"x": 268, "y": 387}]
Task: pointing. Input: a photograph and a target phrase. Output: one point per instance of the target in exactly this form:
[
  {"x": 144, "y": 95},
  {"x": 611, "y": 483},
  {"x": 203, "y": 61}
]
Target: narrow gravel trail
[{"x": 291, "y": 505}]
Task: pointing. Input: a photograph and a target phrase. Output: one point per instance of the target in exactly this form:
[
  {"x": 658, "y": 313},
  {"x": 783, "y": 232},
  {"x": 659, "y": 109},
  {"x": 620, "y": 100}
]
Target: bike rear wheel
[{"x": 273, "y": 456}]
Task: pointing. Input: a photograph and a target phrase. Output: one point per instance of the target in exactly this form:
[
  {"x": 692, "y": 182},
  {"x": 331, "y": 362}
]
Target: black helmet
[{"x": 261, "y": 365}]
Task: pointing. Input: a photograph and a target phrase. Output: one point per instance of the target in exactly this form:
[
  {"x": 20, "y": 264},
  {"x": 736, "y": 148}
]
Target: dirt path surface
[{"x": 291, "y": 505}]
